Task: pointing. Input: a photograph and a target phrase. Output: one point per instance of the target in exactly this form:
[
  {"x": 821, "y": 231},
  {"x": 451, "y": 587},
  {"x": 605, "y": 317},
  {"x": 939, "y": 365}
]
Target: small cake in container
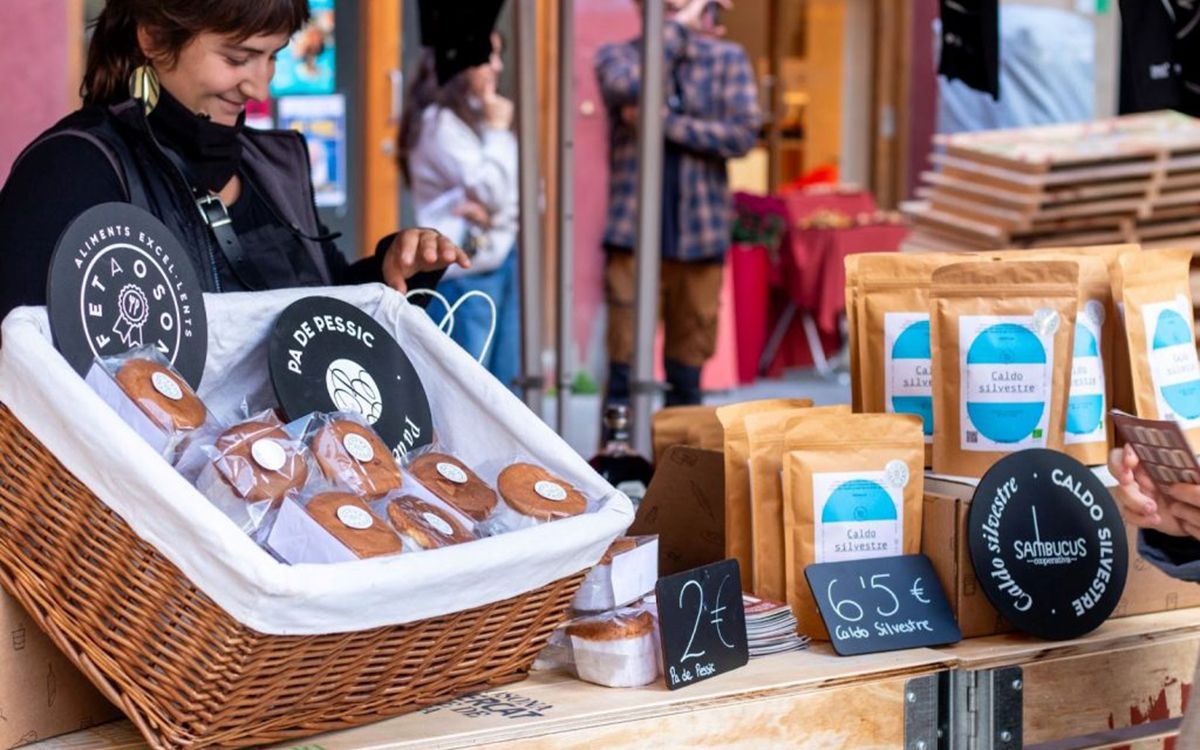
[
  {"x": 617, "y": 649},
  {"x": 250, "y": 468},
  {"x": 348, "y": 519},
  {"x": 532, "y": 496},
  {"x": 349, "y": 453},
  {"x": 453, "y": 482},
  {"x": 424, "y": 525}
]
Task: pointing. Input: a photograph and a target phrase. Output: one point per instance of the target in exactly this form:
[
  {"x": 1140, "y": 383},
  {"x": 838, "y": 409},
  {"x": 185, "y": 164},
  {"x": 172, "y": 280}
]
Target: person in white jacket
[{"x": 459, "y": 157}]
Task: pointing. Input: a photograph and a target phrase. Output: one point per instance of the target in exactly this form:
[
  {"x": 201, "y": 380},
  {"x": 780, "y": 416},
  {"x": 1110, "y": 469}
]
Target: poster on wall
[
  {"x": 322, "y": 120},
  {"x": 306, "y": 65},
  {"x": 258, "y": 115}
]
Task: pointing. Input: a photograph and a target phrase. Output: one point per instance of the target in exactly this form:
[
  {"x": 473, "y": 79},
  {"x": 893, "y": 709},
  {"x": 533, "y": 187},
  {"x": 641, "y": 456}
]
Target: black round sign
[
  {"x": 327, "y": 355},
  {"x": 1048, "y": 544},
  {"x": 119, "y": 280}
]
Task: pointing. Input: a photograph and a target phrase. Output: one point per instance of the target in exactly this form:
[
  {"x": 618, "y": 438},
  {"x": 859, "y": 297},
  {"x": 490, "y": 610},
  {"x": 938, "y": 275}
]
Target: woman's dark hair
[
  {"x": 114, "y": 51},
  {"x": 424, "y": 92}
]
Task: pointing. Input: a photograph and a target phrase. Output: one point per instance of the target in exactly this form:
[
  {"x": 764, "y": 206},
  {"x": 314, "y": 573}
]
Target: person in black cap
[
  {"x": 459, "y": 156},
  {"x": 162, "y": 127}
]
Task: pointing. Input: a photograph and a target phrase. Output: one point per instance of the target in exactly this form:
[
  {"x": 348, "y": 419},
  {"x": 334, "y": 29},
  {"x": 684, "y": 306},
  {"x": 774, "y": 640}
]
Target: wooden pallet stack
[{"x": 1127, "y": 179}]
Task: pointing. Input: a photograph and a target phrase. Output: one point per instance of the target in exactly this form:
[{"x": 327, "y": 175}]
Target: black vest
[{"x": 276, "y": 161}]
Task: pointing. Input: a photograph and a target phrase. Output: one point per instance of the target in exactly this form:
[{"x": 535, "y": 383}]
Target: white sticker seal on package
[
  {"x": 908, "y": 368},
  {"x": 896, "y": 472},
  {"x": 358, "y": 447},
  {"x": 163, "y": 383},
  {"x": 355, "y": 518},
  {"x": 550, "y": 491},
  {"x": 452, "y": 472},
  {"x": 438, "y": 523},
  {"x": 858, "y": 515},
  {"x": 1006, "y": 364},
  {"x": 1045, "y": 321},
  {"x": 1174, "y": 368},
  {"x": 268, "y": 454}
]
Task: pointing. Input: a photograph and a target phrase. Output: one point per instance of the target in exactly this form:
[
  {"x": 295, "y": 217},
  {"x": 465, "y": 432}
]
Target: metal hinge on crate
[
  {"x": 964, "y": 710},
  {"x": 985, "y": 708}
]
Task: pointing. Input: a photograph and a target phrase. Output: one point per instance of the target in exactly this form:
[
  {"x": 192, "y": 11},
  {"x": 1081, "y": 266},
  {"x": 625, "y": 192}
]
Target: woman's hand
[
  {"x": 417, "y": 251},
  {"x": 497, "y": 111},
  {"x": 1142, "y": 504},
  {"x": 474, "y": 212}
]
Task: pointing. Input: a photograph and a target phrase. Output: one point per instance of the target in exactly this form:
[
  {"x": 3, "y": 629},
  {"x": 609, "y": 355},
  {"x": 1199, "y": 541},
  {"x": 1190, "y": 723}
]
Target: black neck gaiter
[{"x": 211, "y": 151}]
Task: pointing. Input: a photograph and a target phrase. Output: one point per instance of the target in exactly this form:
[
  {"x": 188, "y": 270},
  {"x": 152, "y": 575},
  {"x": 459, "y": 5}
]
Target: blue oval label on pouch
[
  {"x": 1085, "y": 404},
  {"x": 119, "y": 280},
  {"x": 1174, "y": 367},
  {"x": 327, "y": 355},
  {"x": 1007, "y": 363},
  {"x": 909, "y": 381}
]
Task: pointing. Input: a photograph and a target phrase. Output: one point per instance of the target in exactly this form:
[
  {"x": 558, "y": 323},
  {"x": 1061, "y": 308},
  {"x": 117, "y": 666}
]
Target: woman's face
[
  {"x": 216, "y": 75},
  {"x": 483, "y": 79}
]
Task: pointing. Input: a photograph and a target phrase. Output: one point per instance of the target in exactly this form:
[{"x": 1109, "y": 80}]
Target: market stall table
[{"x": 802, "y": 699}]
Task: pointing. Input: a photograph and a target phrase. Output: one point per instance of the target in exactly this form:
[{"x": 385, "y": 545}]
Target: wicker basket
[{"x": 186, "y": 673}]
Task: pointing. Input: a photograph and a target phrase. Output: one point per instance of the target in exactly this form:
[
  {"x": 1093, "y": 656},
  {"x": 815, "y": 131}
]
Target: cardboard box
[
  {"x": 42, "y": 695},
  {"x": 944, "y": 541}
]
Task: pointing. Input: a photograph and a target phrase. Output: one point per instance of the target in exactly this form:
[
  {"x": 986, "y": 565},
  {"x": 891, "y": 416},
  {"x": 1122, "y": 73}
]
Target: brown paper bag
[
  {"x": 765, "y": 433},
  {"x": 854, "y": 488},
  {"x": 676, "y": 425},
  {"x": 1160, "y": 330},
  {"x": 1002, "y": 335},
  {"x": 1088, "y": 431},
  {"x": 739, "y": 542},
  {"x": 854, "y": 343},
  {"x": 897, "y": 367}
]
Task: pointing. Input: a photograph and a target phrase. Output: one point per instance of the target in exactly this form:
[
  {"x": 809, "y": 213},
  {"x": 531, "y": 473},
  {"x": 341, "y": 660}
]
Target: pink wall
[
  {"x": 597, "y": 22},
  {"x": 34, "y": 57}
]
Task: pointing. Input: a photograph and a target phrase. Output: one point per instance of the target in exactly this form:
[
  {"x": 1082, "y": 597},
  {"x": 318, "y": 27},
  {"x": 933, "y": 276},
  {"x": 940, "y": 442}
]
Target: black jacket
[{"x": 101, "y": 154}]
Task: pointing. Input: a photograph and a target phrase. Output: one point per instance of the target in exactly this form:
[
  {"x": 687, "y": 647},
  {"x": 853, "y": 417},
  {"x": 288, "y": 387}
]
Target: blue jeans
[{"x": 471, "y": 321}]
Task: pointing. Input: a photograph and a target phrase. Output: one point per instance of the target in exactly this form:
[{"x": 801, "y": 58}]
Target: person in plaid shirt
[{"x": 710, "y": 116}]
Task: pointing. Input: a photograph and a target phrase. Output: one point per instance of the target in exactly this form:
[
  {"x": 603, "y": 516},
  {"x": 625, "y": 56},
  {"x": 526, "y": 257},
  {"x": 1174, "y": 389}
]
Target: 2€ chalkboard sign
[
  {"x": 882, "y": 604},
  {"x": 702, "y": 623}
]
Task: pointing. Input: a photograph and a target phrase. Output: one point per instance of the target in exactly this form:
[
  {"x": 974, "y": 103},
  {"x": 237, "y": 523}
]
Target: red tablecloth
[
  {"x": 801, "y": 204},
  {"x": 814, "y": 267}
]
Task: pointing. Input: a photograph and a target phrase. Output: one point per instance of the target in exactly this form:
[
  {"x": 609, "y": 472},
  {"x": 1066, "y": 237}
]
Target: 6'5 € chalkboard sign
[
  {"x": 882, "y": 604},
  {"x": 702, "y": 623}
]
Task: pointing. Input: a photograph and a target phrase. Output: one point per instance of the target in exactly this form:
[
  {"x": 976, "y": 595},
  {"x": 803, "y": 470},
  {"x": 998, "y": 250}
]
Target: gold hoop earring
[{"x": 144, "y": 86}]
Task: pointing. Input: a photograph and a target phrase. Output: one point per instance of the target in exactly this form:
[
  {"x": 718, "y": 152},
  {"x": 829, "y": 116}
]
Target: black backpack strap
[{"x": 131, "y": 185}]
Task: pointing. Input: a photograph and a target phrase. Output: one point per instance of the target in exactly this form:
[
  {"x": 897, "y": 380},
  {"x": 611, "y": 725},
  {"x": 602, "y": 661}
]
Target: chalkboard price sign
[
  {"x": 882, "y": 604},
  {"x": 702, "y": 623}
]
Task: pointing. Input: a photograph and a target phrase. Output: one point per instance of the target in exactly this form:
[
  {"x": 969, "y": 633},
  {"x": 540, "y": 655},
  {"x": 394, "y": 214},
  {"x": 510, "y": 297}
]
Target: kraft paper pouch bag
[
  {"x": 766, "y": 434},
  {"x": 894, "y": 327},
  {"x": 855, "y": 342},
  {"x": 1088, "y": 431},
  {"x": 1162, "y": 342},
  {"x": 1002, "y": 333},
  {"x": 739, "y": 542},
  {"x": 853, "y": 489},
  {"x": 676, "y": 424}
]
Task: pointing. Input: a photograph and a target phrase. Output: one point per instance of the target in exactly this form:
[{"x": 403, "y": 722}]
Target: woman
[
  {"x": 1170, "y": 539},
  {"x": 164, "y": 93},
  {"x": 459, "y": 156}
]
